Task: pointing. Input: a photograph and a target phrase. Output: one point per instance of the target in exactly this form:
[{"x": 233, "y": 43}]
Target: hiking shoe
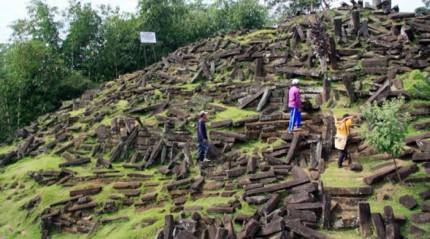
[{"x": 206, "y": 160}]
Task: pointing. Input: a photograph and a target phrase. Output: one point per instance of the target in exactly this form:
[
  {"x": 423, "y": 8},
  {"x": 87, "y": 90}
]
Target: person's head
[
  {"x": 345, "y": 116},
  {"x": 295, "y": 82},
  {"x": 203, "y": 115}
]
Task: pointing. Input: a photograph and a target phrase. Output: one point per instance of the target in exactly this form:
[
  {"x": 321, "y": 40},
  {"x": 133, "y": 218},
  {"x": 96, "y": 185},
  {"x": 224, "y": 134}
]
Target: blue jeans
[
  {"x": 202, "y": 151},
  {"x": 295, "y": 119}
]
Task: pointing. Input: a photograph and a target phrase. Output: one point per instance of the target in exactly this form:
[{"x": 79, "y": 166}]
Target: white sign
[{"x": 148, "y": 37}]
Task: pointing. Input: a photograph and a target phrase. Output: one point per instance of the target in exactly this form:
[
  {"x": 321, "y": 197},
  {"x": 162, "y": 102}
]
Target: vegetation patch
[
  {"x": 417, "y": 83},
  {"x": 233, "y": 113}
]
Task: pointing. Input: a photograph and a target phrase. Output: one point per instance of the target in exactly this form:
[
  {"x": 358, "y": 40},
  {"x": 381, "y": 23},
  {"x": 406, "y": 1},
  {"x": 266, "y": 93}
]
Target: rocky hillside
[{"x": 119, "y": 162}]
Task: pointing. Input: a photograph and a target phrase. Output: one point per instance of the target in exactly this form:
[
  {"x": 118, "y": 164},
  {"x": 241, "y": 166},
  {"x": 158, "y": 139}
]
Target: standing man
[
  {"x": 341, "y": 138},
  {"x": 202, "y": 137},
  {"x": 294, "y": 103}
]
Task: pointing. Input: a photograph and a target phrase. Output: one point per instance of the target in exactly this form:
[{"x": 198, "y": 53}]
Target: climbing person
[
  {"x": 294, "y": 104},
  {"x": 341, "y": 138},
  {"x": 202, "y": 137}
]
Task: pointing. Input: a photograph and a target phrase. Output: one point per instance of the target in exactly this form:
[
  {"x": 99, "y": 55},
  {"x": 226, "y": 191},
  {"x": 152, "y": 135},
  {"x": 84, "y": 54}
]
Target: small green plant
[
  {"x": 417, "y": 83},
  {"x": 387, "y": 126}
]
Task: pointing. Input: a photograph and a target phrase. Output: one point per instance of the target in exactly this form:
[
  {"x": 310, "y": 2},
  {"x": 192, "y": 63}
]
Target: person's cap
[
  {"x": 202, "y": 113},
  {"x": 295, "y": 81}
]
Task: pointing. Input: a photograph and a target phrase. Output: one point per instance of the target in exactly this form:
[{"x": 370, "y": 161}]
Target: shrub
[
  {"x": 417, "y": 83},
  {"x": 387, "y": 127}
]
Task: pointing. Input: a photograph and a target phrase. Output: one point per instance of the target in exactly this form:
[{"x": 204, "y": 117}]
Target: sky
[{"x": 11, "y": 10}]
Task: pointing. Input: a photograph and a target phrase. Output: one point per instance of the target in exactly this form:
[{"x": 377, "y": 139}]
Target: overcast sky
[{"x": 11, "y": 10}]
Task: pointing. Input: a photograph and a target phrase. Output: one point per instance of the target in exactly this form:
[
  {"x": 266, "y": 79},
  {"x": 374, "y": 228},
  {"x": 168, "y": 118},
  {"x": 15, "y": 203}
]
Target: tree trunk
[{"x": 19, "y": 108}]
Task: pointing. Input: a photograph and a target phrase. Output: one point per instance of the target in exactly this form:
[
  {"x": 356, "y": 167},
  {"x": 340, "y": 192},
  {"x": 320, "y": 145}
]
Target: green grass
[
  {"x": 20, "y": 169},
  {"x": 395, "y": 192},
  {"x": 233, "y": 113},
  {"x": 7, "y": 148},
  {"x": 335, "y": 177},
  {"x": 343, "y": 106},
  {"x": 190, "y": 86},
  {"x": 411, "y": 131},
  {"x": 77, "y": 112},
  {"x": 18, "y": 223},
  {"x": 257, "y": 146},
  {"x": 158, "y": 93},
  {"x": 246, "y": 209},
  {"x": 266, "y": 33},
  {"x": 149, "y": 120},
  {"x": 132, "y": 229},
  {"x": 341, "y": 177},
  {"x": 122, "y": 105},
  {"x": 206, "y": 202}
]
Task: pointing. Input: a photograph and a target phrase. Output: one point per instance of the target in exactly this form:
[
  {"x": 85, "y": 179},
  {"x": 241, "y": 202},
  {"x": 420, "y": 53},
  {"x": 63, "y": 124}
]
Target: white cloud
[{"x": 16, "y": 9}]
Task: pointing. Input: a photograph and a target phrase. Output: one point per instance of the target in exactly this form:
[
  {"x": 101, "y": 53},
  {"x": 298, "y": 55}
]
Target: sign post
[{"x": 148, "y": 38}]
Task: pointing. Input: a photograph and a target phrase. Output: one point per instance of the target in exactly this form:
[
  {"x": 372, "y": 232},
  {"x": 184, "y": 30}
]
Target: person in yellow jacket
[{"x": 341, "y": 138}]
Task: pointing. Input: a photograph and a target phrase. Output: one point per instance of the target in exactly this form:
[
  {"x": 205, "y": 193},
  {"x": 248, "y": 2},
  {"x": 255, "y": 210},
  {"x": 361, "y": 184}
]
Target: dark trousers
[
  {"x": 342, "y": 155},
  {"x": 202, "y": 151}
]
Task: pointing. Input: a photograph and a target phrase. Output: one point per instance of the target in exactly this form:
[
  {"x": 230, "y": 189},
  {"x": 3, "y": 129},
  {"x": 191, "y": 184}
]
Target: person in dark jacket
[{"x": 202, "y": 137}]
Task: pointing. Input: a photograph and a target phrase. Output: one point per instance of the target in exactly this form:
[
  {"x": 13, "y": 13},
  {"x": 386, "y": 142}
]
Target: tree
[
  {"x": 421, "y": 11},
  {"x": 121, "y": 50},
  {"x": 427, "y": 3},
  {"x": 35, "y": 82},
  {"x": 33, "y": 69},
  {"x": 81, "y": 43},
  {"x": 247, "y": 14},
  {"x": 43, "y": 24},
  {"x": 284, "y": 8},
  {"x": 387, "y": 128},
  {"x": 166, "y": 18}
]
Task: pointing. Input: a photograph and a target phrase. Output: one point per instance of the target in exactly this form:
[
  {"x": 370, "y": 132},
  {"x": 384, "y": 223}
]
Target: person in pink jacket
[{"x": 294, "y": 103}]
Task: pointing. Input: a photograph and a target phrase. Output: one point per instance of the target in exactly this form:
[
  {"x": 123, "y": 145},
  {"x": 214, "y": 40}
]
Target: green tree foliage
[
  {"x": 421, "y": 11},
  {"x": 40, "y": 26},
  {"x": 81, "y": 43},
  {"x": 31, "y": 69},
  {"x": 387, "y": 127},
  {"x": 283, "y": 8},
  {"x": 165, "y": 17},
  {"x": 427, "y": 3},
  {"x": 121, "y": 50},
  {"x": 233, "y": 15}
]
